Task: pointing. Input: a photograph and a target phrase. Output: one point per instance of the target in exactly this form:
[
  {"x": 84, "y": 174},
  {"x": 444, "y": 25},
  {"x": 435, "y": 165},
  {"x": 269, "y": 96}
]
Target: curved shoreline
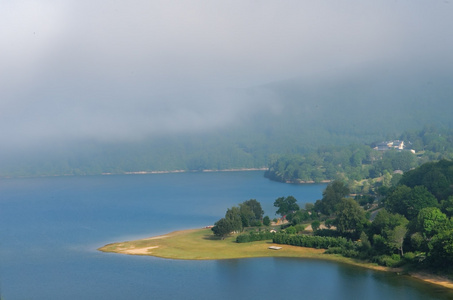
[{"x": 201, "y": 244}]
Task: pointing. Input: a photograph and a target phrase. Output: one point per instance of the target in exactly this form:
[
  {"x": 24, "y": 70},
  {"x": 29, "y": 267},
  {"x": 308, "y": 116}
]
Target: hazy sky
[{"x": 126, "y": 69}]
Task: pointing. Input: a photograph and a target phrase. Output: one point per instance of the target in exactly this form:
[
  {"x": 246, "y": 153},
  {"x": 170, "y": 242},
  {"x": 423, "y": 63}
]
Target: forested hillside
[
  {"x": 290, "y": 120},
  {"x": 357, "y": 162}
]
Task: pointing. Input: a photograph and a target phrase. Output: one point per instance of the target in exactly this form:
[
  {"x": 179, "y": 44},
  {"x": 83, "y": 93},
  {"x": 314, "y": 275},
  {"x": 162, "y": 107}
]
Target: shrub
[
  {"x": 327, "y": 232},
  {"x": 388, "y": 261},
  {"x": 291, "y": 230},
  {"x": 254, "y": 236},
  {"x": 319, "y": 242},
  {"x": 315, "y": 225},
  {"x": 409, "y": 257},
  {"x": 256, "y": 223},
  {"x": 299, "y": 227}
]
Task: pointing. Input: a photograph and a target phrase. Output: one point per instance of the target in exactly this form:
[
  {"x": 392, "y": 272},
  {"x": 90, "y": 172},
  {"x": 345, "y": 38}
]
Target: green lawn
[{"x": 202, "y": 244}]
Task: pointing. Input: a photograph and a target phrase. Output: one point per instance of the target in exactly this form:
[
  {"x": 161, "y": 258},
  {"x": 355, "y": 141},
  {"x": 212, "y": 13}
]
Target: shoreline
[
  {"x": 188, "y": 171},
  {"x": 139, "y": 173},
  {"x": 201, "y": 244}
]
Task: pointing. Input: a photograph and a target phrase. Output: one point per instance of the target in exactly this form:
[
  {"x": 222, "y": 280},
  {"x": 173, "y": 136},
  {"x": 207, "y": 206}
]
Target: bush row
[
  {"x": 319, "y": 242},
  {"x": 255, "y": 236}
]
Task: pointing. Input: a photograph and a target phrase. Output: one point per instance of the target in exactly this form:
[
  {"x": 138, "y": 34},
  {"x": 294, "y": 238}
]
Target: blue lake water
[{"x": 50, "y": 229}]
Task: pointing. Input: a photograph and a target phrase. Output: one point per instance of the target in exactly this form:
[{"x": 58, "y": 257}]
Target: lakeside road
[{"x": 201, "y": 244}]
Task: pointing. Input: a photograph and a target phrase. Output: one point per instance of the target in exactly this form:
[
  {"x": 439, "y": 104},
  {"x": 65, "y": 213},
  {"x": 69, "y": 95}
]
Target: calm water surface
[{"x": 50, "y": 229}]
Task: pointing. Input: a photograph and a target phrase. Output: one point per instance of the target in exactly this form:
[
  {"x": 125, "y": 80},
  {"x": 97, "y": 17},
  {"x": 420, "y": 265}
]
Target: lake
[{"x": 50, "y": 229}]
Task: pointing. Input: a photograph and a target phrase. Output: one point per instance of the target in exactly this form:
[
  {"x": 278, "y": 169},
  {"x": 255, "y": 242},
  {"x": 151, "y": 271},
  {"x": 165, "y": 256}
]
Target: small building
[{"x": 384, "y": 146}]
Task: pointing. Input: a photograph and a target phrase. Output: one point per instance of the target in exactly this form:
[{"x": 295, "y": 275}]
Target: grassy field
[{"x": 202, "y": 244}]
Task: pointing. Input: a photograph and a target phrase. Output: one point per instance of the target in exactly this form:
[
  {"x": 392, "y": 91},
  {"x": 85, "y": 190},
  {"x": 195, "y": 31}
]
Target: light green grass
[{"x": 201, "y": 244}]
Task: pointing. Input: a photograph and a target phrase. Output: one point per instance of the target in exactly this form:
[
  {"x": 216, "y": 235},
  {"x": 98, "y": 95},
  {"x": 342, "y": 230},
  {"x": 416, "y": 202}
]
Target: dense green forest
[
  {"x": 357, "y": 162},
  {"x": 411, "y": 226},
  {"x": 293, "y": 120}
]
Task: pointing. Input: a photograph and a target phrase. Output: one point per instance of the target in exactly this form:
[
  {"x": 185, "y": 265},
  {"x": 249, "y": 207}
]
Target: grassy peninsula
[{"x": 201, "y": 244}]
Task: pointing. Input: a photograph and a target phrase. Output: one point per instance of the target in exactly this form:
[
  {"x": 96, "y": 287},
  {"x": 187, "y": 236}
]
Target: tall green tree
[
  {"x": 441, "y": 249},
  {"x": 286, "y": 205},
  {"x": 331, "y": 197},
  {"x": 350, "y": 216},
  {"x": 247, "y": 215},
  {"x": 396, "y": 236},
  {"x": 222, "y": 228},
  {"x": 234, "y": 216},
  {"x": 408, "y": 202},
  {"x": 255, "y": 207},
  {"x": 430, "y": 221}
]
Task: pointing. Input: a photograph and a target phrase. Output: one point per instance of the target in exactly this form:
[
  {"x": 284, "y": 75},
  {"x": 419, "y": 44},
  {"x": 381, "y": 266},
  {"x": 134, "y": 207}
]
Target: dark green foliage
[
  {"x": 388, "y": 231},
  {"x": 441, "y": 249},
  {"x": 234, "y": 216},
  {"x": 324, "y": 164},
  {"x": 350, "y": 216},
  {"x": 315, "y": 225},
  {"x": 409, "y": 201},
  {"x": 431, "y": 221},
  {"x": 390, "y": 261},
  {"x": 266, "y": 221},
  {"x": 255, "y": 236},
  {"x": 300, "y": 216},
  {"x": 286, "y": 205},
  {"x": 331, "y": 197},
  {"x": 245, "y": 215},
  {"x": 255, "y": 208},
  {"x": 447, "y": 206},
  {"x": 327, "y": 232},
  {"x": 361, "y": 161},
  {"x": 385, "y": 221},
  {"x": 436, "y": 177},
  {"x": 222, "y": 228},
  {"x": 319, "y": 242},
  {"x": 363, "y": 200},
  {"x": 290, "y": 230}
]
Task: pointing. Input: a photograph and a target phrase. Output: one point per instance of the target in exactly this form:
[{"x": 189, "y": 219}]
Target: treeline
[
  {"x": 293, "y": 118},
  {"x": 358, "y": 162},
  {"x": 253, "y": 236},
  {"x": 412, "y": 224},
  {"x": 318, "y": 242},
  {"x": 247, "y": 214}
]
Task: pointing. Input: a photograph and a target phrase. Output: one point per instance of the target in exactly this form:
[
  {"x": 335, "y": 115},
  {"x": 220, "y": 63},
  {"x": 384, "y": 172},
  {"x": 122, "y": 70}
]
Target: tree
[
  {"x": 222, "y": 228},
  {"x": 385, "y": 221},
  {"x": 350, "y": 216},
  {"x": 286, "y": 205},
  {"x": 255, "y": 207},
  {"x": 431, "y": 221},
  {"x": 447, "y": 206},
  {"x": 315, "y": 225},
  {"x": 408, "y": 202},
  {"x": 332, "y": 196},
  {"x": 392, "y": 228},
  {"x": 247, "y": 215},
  {"x": 441, "y": 248},
  {"x": 396, "y": 237},
  {"x": 234, "y": 216},
  {"x": 266, "y": 221}
]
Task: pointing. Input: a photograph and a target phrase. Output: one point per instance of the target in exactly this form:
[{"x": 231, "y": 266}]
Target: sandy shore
[{"x": 434, "y": 279}]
